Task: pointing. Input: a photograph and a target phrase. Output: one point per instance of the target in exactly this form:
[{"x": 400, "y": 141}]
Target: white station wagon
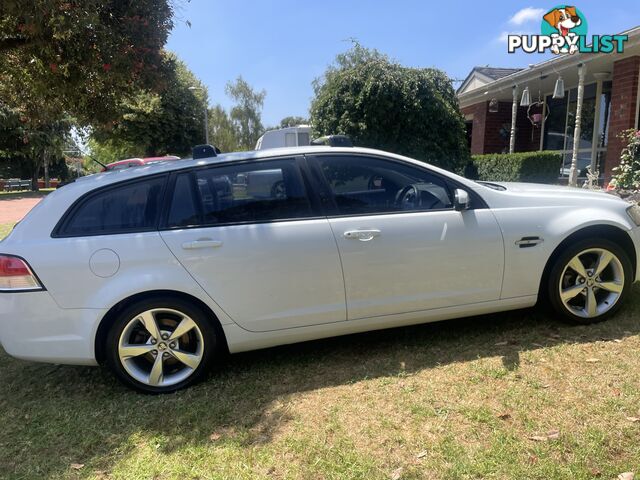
[{"x": 156, "y": 269}]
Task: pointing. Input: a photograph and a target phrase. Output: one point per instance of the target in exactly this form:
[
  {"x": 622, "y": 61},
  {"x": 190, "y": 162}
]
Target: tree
[
  {"x": 169, "y": 122},
  {"x": 246, "y": 114},
  {"x": 222, "y": 132},
  {"x": 381, "y": 104},
  {"x": 293, "y": 121},
  {"x": 79, "y": 57},
  {"x": 26, "y": 146}
]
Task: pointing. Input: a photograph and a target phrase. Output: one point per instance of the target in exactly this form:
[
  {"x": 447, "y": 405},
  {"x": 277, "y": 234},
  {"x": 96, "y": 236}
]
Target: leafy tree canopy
[
  {"x": 222, "y": 132},
  {"x": 80, "y": 57},
  {"x": 169, "y": 122},
  {"x": 246, "y": 115},
  {"x": 381, "y": 104},
  {"x": 24, "y": 147},
  {"x": 293, "y": 121}
]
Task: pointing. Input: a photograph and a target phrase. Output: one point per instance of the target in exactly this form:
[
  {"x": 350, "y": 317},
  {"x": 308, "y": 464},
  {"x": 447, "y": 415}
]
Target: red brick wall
[
  {"x": 486, "y": 136},
  {"x": 624, "y": 95},
  {"x": 494, "y": 141},
  {"x": 479, "y": 112}
]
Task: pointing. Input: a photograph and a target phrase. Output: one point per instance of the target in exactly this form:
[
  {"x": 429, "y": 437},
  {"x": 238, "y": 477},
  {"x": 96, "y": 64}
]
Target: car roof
[
  {"x": 157, "y": 159},
  {"x": 113, "y": 176}
]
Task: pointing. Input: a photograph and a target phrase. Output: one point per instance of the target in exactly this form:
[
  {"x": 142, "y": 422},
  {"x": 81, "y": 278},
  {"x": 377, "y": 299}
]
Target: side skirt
[{"x": 240, "y": 340}]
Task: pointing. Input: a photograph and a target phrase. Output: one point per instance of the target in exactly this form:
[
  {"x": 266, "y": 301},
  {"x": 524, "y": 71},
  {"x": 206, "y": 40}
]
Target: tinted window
[
  {"x": 363, "y": 185},
  {"x": 183, "y": 211},
  {"x": 252, "y": 192},
  {"x": 127, "y": 208}
]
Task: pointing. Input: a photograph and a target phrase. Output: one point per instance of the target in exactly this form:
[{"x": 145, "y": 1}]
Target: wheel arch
[
  {"x": 112, "y": 313},
  {"x": 608, "y": 232}
]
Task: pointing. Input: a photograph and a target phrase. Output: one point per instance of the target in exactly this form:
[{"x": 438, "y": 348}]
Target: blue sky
[{"x": 282, "y": 45}]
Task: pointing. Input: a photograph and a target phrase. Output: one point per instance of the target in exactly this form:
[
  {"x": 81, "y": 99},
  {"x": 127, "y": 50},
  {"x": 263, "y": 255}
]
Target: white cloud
[
  {"x": 502, "y": 38},
  {"x": 526, "y": 15}
]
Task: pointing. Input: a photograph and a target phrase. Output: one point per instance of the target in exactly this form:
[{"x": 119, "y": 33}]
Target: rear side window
[
  {"x": 132, "y": 207},
  {"x": 243, "y": 193}
]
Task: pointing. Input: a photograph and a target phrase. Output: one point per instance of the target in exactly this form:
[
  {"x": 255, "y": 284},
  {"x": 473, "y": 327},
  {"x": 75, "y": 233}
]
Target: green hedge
[{"x": 537, "y": 167}]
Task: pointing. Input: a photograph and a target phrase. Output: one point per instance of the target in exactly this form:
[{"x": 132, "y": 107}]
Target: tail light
[{"x": 15, "y": 275}]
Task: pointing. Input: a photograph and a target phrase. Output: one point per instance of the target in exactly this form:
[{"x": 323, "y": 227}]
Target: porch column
[
  {"x": 514, "y": 115},
  {"x": 573, "y": 171}
]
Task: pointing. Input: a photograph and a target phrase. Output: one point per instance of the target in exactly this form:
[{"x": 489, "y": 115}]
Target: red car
[{"x": 136, "y": 162}]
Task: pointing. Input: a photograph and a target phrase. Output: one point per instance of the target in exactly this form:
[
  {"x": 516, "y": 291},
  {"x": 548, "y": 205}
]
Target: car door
[
  {"x": 404, "y": 248},
  {"x": 248, "y": 234}
]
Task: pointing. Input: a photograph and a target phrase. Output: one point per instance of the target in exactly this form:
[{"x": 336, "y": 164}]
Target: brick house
[{"x": 610, "y": 105}]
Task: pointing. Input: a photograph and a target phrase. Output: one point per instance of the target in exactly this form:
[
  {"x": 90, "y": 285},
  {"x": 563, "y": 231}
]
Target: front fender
[{"x": 524, "y": 267}]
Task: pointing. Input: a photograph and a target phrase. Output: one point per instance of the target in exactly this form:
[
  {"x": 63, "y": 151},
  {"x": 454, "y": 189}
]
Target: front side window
[
  {"x": 253, "y": 192},
  {"x": 367, "y": 185},
  {"x": 128, "y": 208}
]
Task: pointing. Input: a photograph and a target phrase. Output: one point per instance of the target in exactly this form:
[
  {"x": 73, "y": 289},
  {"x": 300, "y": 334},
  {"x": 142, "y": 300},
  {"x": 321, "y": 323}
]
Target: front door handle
[
  {"x": 201, "y": 243},
  {"x": 362, "y": 235}
]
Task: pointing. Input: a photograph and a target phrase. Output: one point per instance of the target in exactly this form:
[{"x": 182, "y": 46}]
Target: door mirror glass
[{"x": 461, "y": 199}]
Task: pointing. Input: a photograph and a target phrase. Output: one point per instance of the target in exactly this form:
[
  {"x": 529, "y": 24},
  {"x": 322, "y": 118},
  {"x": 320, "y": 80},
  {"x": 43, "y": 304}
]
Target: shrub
[
  {"x": 381, "y": 104},
  {"x": 538, "y": 167},
  {"x": 627, "y": 174}
]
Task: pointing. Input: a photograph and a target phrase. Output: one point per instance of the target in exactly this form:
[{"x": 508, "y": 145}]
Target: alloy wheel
[
  {"x": 591, "y": 283},
  {"x": 161, "y": 347}
]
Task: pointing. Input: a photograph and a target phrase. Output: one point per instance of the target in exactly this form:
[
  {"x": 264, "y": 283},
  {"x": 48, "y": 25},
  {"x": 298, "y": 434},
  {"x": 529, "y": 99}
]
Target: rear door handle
[
  {"x": 201, "y": 243},
  {"x": 362, "y": 235}
]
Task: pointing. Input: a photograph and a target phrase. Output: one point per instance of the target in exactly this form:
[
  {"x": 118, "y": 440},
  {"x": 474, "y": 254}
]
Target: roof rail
[
  {"x": 204, "y": 151},
  {"x": 333, "y": 141}
]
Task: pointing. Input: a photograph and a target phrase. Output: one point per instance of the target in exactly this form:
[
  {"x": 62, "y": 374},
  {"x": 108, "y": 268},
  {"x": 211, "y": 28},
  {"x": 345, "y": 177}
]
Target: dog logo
[
  {"x": 564, "y": 30},
  {"x": 567, "y": 22}
]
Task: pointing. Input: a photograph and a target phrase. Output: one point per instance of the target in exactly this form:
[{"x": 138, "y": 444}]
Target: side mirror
[{"x": 461, "y": 199}]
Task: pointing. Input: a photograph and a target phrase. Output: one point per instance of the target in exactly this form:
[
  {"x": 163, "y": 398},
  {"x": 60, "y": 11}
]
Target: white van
[{"x": 285, "y": 137}]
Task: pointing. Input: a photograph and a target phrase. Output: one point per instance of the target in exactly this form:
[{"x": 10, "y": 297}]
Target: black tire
[
  {"x": 554, "y": 279},
  {"x": 204, "y": 325}
]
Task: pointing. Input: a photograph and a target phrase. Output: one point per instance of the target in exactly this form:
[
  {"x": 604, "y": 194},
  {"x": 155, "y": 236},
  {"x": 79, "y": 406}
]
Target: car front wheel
[
  {"x": 159, "y": 346},
  {"x": 589, "y": 281}
]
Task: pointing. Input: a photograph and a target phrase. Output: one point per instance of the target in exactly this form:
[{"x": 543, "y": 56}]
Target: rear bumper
[{"x": 34, "y": 327}]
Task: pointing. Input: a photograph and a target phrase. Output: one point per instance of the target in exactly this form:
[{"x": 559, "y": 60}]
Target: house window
[
  {"x": 560, "y": 126},
  {"x": 554, "y": 127}
]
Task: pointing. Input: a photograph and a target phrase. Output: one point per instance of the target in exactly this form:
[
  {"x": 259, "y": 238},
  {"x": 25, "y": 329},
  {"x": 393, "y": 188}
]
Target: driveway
[{"x": 14, "y": 208}]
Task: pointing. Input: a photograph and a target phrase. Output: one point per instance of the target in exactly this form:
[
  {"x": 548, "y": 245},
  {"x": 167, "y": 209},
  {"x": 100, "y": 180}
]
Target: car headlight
[{"x": 634, "y": 213}]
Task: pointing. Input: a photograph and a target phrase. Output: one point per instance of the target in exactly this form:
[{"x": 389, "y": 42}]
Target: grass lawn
[
  {"x": 5, "y": 228},
  {"x": 513, "y": 395},
  {"x": 25, "y": 194}
]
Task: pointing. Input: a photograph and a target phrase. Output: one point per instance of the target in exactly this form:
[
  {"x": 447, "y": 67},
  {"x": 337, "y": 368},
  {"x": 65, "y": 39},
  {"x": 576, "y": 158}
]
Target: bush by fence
[{"x": 538, "y": 167}]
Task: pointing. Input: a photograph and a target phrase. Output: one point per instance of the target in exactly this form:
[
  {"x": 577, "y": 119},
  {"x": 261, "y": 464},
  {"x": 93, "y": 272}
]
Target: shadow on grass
[{"x": 56, "y": 415}]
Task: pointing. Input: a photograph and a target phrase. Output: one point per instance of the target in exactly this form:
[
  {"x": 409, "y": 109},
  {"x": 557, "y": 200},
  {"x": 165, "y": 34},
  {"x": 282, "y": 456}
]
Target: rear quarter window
[{"x": 126, "y": 208}]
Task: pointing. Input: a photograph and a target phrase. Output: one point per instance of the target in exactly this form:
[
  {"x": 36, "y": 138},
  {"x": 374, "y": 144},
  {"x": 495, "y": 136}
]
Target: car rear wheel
[
  {"x": 159, "y": 346},
  {"x": 589, "y": 281}
]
